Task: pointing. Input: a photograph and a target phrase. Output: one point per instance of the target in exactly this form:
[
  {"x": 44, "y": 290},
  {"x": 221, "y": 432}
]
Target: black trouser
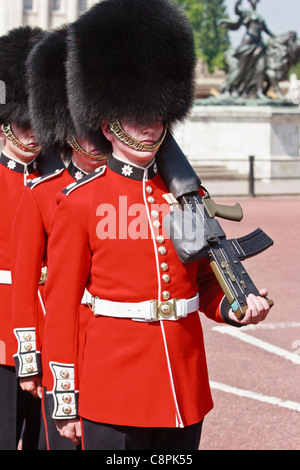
[
  {"x": 54, "y": 440},
  {"x": 20, "y": 415},
  {"x": 97, "y": 436}
]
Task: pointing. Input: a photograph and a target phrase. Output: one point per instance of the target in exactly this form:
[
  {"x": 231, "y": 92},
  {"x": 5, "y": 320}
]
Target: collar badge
[
  {"x": 127, "y": 170},
  {"x": 78, "y": 175},
  {"x": 11, "y": 165}
]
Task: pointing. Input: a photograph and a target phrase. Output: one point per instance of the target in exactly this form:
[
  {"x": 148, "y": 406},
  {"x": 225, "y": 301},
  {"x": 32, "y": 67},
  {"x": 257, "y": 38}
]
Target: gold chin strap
[
  {"x": 122, "y": 135},
  {"x": 11, "y": 136},
  {"x": 78, "y": 149}
]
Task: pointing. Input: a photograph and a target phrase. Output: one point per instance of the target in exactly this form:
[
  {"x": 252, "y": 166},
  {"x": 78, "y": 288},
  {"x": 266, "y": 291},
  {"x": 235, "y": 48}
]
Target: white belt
[
  {"x": 151, "y": 310},
  {"x": 87, "y": 298},
  {"x": 5, "y": 277}
]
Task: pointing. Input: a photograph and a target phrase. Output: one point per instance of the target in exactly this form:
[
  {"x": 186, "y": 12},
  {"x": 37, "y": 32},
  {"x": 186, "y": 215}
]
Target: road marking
[
  {"x": 271, "y": 348},
  {"x": 273, "y": 326},
  {"x": 291, "y": 405}
]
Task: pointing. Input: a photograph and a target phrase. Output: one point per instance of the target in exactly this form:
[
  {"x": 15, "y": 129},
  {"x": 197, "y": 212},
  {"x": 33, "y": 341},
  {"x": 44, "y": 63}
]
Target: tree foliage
[{"x": 211, "y": 40}]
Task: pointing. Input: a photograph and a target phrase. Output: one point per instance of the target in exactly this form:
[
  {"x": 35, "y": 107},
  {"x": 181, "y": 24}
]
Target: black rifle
[{"x": 195, "y": 233}]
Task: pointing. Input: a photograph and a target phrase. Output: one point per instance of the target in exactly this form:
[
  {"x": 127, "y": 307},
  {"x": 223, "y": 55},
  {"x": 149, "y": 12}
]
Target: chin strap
[
  {"x": 122, "y": 135},
  {"x": 12, "y": 138},
  {"x": 78, "y": 149}
]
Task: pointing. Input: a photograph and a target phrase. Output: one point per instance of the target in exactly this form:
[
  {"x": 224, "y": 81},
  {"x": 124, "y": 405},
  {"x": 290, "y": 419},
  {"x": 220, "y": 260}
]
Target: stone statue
[
  {"x": 293, "y": 93},
  {"x": 282, "y": 52},
  {"x": 254, "y": 66}
]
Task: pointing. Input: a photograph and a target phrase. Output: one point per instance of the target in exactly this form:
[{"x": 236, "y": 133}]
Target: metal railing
[
  {"x": 252, "y": 178},
  {"x": 249, "y": 175}
]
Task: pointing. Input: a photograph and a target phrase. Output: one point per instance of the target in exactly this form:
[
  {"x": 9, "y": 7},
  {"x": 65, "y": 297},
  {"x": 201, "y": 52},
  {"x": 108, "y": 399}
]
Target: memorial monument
[{"x": 251, "y": 116}]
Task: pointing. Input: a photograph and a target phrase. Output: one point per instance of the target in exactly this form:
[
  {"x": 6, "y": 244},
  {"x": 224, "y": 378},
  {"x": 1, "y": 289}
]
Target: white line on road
[
  {"x": 273, "y": 326},
  {"x": 291, "y": 405},
  {"x": 271, "y": 348}
]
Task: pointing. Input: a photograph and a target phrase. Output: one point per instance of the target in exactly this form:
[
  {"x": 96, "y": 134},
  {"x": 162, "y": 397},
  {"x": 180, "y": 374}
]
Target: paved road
[{"x": 256, "y": 378}]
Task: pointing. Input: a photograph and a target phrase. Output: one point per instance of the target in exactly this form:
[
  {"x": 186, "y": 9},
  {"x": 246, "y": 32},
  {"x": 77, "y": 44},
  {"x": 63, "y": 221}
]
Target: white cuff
[
  {"x": 27, "y": 359},
  {"x": 64, "y": 394}
]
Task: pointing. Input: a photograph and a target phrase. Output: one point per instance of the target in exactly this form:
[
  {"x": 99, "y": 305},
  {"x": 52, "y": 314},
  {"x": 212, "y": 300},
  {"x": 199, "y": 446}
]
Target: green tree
[{"x": 211, "y": 40}]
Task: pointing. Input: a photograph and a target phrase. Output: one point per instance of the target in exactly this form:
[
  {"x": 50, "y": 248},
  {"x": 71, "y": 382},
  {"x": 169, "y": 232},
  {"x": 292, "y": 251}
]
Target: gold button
[
  {"x": 154, "y": 214},
  {"x": 164, "y": 267},
  {"x": 66, "y": 385},
  {"x": 160, "y": 239},
  {"x": 28, "y": 347},
  {"x": 156, "y": 224},
  {"x": 67, "y": 410},
  {"x": 67, "y": 399},
  {"x": 151, "y": 200},
  {"x": 162, "y": 250},
  {"x": 149, "y": 190},
  {"x": 27, "y": 337},
  {"x": 29, "y": 359},
  {"x": 29, "y": 369},
  {"x": 166, "y": 295},
  {"x": 166, "y": 278},
  {"x": 64, "y": 374}
]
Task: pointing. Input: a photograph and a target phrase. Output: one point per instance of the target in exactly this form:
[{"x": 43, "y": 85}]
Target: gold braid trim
[
  {"x": 78, "y": 149},
  {"x": 10, "y": 136},
  {"x": 122, "y": 135}
]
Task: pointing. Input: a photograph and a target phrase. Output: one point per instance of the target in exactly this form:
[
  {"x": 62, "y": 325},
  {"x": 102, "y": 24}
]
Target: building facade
[{"x": 47, "y": 14}]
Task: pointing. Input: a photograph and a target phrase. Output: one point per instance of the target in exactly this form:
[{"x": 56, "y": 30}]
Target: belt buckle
[
  {"x": 91, "y": 304},
  {"x": 165, "y": 310}
]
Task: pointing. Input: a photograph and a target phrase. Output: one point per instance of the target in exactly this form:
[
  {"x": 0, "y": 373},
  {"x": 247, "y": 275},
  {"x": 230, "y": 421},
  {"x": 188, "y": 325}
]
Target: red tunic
[
  {"x": 104, "y": 236},
  {"x": 13, "y": 177},
  {"x": 31, "y": 228}
]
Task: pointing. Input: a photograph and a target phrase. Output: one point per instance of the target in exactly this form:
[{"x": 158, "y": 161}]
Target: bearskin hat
[
  {"x": 48, "y": 100},
  {"x": 46, "y": 81},
  {"x": 130, "y": 58},
  {"x": 14, "y": 49}
]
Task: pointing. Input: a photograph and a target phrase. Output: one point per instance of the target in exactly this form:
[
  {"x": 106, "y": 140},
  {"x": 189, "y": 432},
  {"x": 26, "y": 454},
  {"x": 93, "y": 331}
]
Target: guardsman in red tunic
[
  {"x": 31, "y": 228},
  {"x": 143, "y": 380},
  {"x": 18, "y": 165}
]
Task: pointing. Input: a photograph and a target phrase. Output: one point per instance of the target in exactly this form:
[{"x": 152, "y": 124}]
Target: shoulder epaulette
[
  {"x": 41, "y": 179},
  {"x": 86, "y": 179}
]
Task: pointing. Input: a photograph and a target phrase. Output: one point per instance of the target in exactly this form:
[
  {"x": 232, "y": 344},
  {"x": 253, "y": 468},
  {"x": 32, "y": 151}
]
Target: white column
[
  {"x": 72, "y": 9},
  {"x": 3, "y": 17},
  {"x": 44, "y": 13},
  {"x": 15, "y": 14}
]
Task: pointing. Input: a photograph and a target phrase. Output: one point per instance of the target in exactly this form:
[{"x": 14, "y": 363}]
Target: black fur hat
[
  {"x": 130, "y": 58},
  {"x": 46, "y": 81},
  {"x": 14, "y": 49},
  {"x": 48, "y": 99}
]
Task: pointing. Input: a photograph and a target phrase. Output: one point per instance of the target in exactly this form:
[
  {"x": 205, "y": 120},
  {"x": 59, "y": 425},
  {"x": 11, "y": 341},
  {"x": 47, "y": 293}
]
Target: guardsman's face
[
  {"x": 24, "y": 135},
  {"x": 90, "y": 147},
  {"x": 146, "y": 133}
]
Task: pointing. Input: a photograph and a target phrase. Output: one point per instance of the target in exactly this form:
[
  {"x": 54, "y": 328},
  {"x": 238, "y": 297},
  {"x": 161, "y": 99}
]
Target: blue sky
[{"x": 280, "y": 15}]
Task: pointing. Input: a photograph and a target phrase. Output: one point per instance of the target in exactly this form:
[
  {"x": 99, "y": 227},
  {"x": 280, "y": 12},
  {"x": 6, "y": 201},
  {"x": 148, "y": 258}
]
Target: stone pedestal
[{"x": 228, "y": 135}]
